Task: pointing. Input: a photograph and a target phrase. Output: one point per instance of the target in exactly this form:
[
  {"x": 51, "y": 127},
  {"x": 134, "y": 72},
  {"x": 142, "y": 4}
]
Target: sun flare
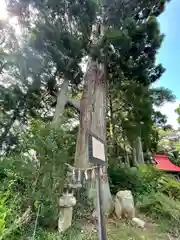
[{"x": 3, "y": 11}]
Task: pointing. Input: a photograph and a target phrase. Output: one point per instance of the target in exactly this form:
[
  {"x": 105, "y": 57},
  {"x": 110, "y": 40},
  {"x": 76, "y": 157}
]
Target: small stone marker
[{"x": 66, "y": 202}]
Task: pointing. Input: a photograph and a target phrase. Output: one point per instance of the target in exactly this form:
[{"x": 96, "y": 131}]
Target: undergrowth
[
  {"x": 156, "y": 193},
  {"x": 33, "y": 181}
]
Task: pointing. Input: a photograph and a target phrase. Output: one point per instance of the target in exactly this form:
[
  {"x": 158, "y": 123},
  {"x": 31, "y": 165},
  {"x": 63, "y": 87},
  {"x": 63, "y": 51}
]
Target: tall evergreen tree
[{"x": 120, "y": 39}]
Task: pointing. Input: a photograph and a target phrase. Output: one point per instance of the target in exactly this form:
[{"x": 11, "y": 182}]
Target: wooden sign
[{"x": 97, "y": 150}]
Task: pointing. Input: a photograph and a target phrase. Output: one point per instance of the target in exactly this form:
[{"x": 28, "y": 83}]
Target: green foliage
[
  {"x": 73, "y": 232},
  {"x": 58, "y": 35},
  {"x": 155, "y": 192},
  {"x": 132, "y": 114},
  {"x": 9, "y": 209},
  {"x": 169, "y": 144},
  {"x": 161, "y": 206},
  {"x": 161, "y": 95},
  {"x": 36, "y": 173},
  {"x": 3, "y": 212},
  {"x": 178, "y": 112},
  {"x": 141, "y": 181},
  {"x": 169, "y": 186}
]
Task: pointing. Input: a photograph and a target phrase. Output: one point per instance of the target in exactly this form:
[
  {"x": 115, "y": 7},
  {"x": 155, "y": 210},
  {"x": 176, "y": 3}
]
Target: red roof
[{"x": 163, "y": 163}]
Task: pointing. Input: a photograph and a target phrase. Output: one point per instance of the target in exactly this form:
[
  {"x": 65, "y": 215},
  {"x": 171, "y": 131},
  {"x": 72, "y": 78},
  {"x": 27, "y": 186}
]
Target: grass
[
  {"x": 127, "y": 232},
  {"x": 116, "y": 230}
]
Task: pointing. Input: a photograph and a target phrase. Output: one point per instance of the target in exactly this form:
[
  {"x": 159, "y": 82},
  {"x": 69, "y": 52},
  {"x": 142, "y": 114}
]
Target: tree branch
[{"x": 75, "y": 103}]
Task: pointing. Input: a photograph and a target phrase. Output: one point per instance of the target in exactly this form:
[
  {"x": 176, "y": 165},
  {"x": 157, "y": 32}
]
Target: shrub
[
  {"x": 161, "y": 206},
  {"x": 169, "y": 186},
  {"x": 9, "y": 207},
  {"x": 38, "y": 178},
  {"x": 155, "y": 192},
  {"x": 140, "y": 180},
  {"x": 3, "y": 212}
]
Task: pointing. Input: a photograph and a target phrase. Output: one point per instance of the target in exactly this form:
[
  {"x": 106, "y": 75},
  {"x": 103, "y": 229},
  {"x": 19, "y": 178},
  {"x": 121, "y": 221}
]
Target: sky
[
  {"x": 3, "y": 13},
  {"x": 169, "y": 54}
]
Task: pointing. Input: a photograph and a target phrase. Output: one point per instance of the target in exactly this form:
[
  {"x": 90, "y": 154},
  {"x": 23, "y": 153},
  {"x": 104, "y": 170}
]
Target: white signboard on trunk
[{"x": 97, "y": 150}]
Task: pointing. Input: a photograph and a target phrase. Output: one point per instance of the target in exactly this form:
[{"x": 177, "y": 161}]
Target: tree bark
[
  {"x": 126, "y": 156},
  {"x": 62, "y": 99},
  {"x": 92, "y": 118},
  {"x": 140, "y": 155},
  {"x": 134, "y": 154},
  {"x": 112, "y": 128}
]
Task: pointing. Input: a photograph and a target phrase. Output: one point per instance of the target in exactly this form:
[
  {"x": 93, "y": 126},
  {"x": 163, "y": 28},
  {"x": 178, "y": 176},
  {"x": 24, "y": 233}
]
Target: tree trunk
[
  {"x": 126, "y": 156},
  {"x": 134, "y": 154},
  {"x": 92, "y": 118},
  {"x": 140, "y": 155},
  {"x": 114, "y": 148},
  {"x": 62, "y": 99}
]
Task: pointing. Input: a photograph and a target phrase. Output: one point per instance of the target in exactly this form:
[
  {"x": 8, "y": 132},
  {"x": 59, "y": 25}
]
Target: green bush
[
  {"x": 155, "y": 192},
  {"x": 3, "y": 212},
  {"x": 37, "y": 179},
  {"x": 169, "y": 186},
  {"x": 140, "y": 180},
  {"x": 161, "y": 207},
  {"x": 9, "y": 210}
]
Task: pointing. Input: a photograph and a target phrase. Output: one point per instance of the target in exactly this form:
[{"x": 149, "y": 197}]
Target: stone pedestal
[{"x": 66, "y": 202}]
